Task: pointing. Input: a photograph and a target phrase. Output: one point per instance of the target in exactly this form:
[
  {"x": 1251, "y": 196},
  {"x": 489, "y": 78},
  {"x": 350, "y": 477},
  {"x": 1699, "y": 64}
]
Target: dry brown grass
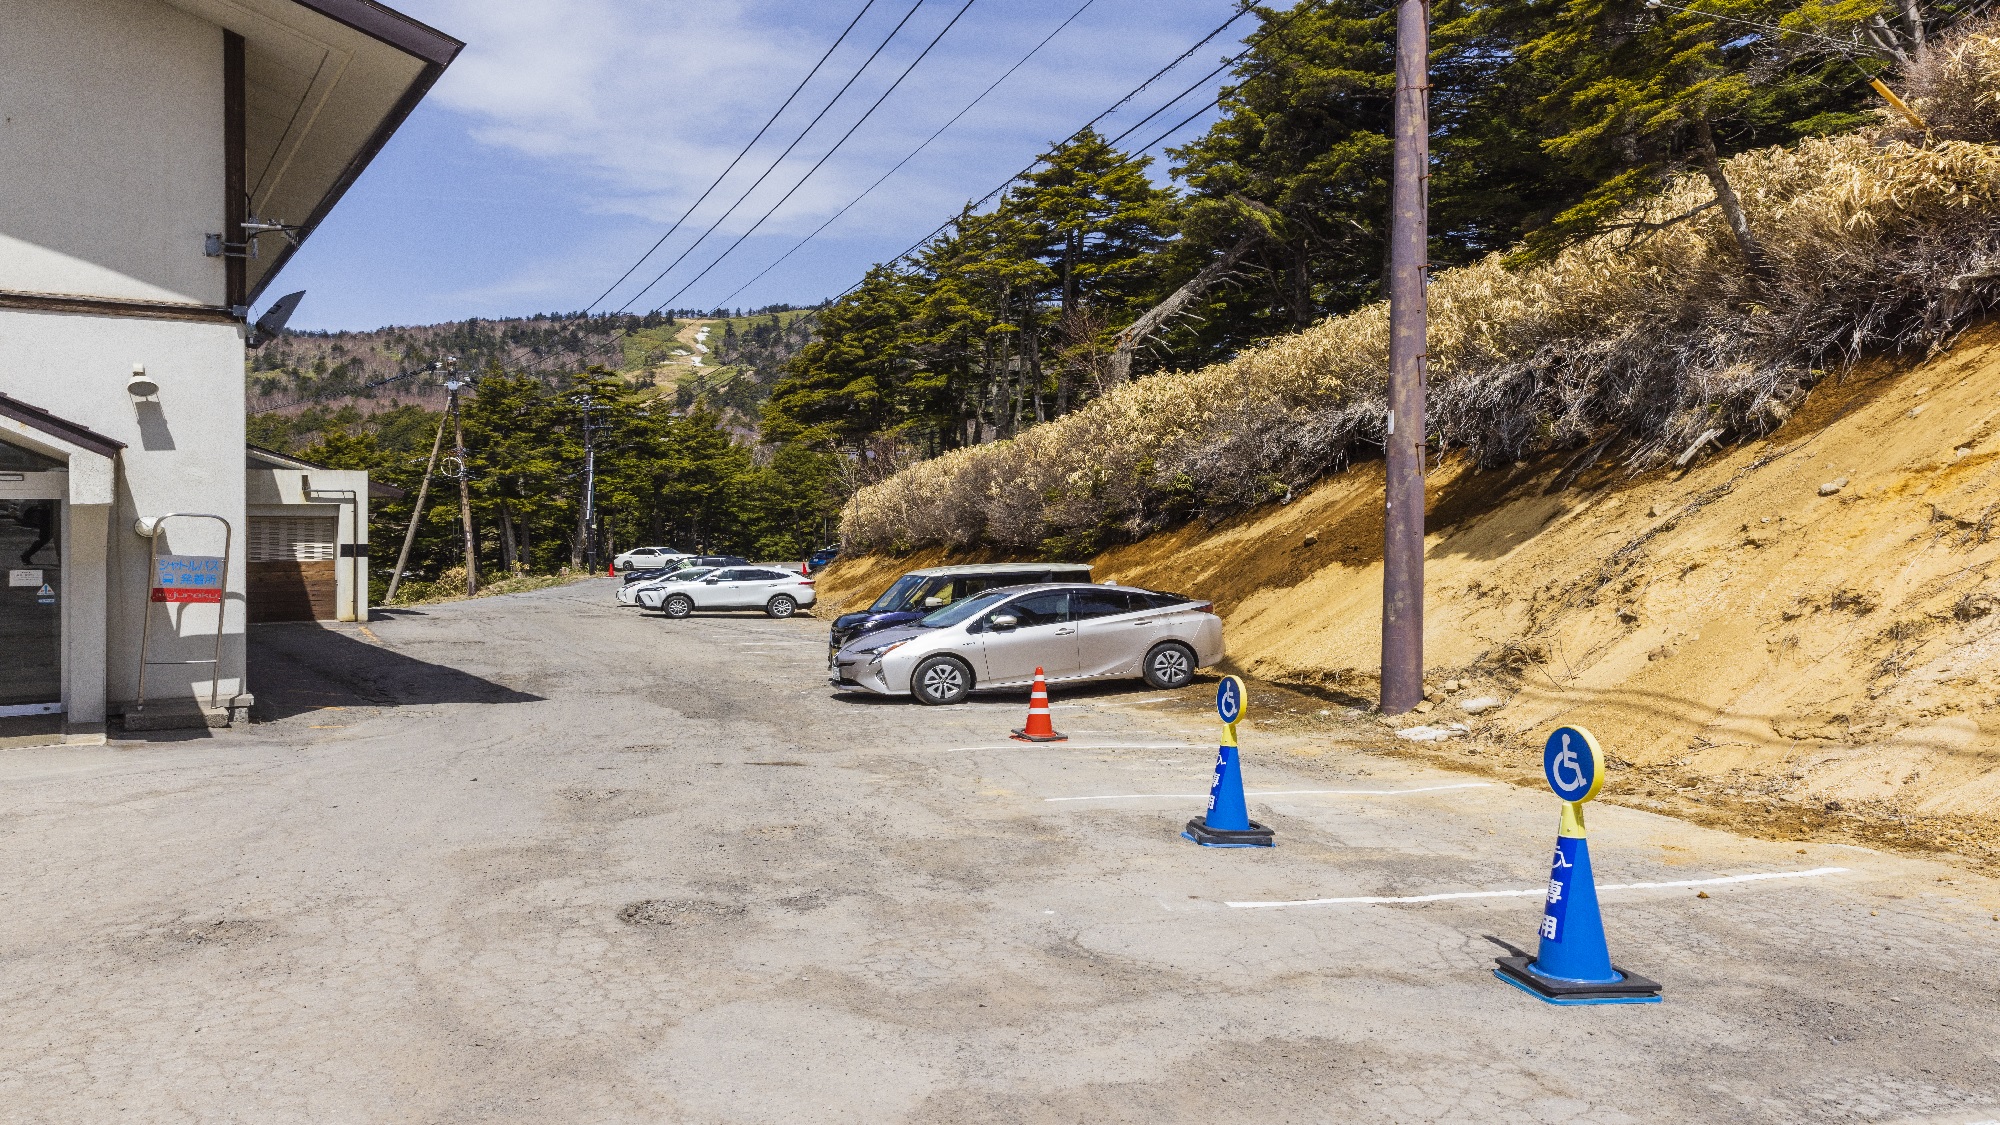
[{"x": 1640, "y": 340}]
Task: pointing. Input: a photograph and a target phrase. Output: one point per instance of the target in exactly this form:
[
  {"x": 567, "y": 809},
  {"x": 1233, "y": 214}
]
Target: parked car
[
  {"x": 817, "y": 561},
  {"x": 685, "y": 561},
  {"x": 997, "y": 639},
  {"x": 921, "y": 591},
  {"x": 645, "y": 558},
  {"x": 776, "y": 592},
  {"x": 634, "y": 593}
]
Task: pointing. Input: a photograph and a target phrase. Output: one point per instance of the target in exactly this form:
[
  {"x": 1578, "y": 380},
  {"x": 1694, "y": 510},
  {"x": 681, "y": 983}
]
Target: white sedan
[
  {"x": 777, "y": 592},
  {"x": 1071, "y": 631}
]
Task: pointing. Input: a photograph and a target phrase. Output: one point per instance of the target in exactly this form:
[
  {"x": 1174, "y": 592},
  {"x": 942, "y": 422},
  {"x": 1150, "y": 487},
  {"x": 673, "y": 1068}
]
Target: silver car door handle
[{"x": 1064, "y": 632}]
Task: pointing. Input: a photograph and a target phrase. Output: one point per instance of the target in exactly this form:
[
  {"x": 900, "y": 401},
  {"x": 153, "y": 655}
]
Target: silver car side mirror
[{"x": 1005, "y": 622}]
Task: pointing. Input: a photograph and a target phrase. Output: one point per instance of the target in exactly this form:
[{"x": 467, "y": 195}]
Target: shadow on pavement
[
  {"x": 1088, "y": 689},
  {"x": 296, "y": 668}
]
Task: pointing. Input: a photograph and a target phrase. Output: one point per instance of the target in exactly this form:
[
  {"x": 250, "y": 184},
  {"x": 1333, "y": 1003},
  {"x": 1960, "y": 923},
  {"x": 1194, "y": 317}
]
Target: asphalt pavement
[{"x": 537, "y": 858}]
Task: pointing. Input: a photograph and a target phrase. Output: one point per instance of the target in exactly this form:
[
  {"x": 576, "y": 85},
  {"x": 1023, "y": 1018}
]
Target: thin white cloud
[
  {"x": 653, "y": 99},
  {"x": 627, "y": 109}
]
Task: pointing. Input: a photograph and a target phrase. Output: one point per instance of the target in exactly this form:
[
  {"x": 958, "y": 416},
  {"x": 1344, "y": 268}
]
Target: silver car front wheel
[
  {"x": 940, "y": 681},
  {"x": 679, "y": 605}
]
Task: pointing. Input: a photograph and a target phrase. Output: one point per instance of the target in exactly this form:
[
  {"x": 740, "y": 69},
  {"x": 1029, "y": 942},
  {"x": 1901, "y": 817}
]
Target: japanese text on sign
[{"x": 187, "y": 578}]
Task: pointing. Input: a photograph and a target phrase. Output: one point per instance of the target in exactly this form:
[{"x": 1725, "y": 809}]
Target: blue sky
[{"x": 569, "y": 135}]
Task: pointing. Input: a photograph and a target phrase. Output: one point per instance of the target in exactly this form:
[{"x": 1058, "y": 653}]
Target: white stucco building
[{"x": 143, "y": 146}]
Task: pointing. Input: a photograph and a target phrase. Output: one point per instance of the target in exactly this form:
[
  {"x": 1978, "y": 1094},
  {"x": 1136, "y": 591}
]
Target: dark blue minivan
[{"x": 921, "y": 591}]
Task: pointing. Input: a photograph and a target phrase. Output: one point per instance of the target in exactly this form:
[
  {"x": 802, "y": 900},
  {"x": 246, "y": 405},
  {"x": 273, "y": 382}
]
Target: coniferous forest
[{"x": 1553, "y": 122}]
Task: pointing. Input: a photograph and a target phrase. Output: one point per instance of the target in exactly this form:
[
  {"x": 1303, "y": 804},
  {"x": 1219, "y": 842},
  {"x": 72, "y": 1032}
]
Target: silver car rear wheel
[
  {"x": 1170, "y": 665},
  {"x": 781, "y": 606},
  {"x": 940, "y": 681}
]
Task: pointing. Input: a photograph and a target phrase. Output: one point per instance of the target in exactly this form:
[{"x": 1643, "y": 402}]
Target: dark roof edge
[
  {"x": 62, "y": 429},
  {"x": 391, "y": 27},
  {"x": 291, "y": 461},
  {"x": 405, "y": 34}
]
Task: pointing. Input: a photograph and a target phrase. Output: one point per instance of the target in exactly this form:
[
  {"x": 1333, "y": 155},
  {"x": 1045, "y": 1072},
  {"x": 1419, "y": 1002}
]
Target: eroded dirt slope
[{"x": 1804, "y": 622}]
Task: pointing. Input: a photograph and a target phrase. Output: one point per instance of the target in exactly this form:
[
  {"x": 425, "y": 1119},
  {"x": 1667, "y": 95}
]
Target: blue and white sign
[
  {"x": 200, "y": 572},
  {"x": 1573, "y": 764},
  {"x": 1230, "y": 697},
  {"x": 187, "y": 578}
]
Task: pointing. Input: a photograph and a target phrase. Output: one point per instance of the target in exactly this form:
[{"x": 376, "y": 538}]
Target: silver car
[{"x": 1071, "y": 631}]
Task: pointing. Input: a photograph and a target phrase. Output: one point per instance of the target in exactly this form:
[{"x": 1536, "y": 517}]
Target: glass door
[{"x": 31, "y": 607}]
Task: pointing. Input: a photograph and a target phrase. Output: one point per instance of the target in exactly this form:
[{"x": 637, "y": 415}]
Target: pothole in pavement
[{"x": 678, "y": 912}]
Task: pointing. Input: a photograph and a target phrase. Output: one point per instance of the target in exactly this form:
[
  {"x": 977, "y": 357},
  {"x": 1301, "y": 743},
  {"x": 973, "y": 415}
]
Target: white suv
[
  {"x": 645, "y": 558},
  {"x": 776, "y": 592}
]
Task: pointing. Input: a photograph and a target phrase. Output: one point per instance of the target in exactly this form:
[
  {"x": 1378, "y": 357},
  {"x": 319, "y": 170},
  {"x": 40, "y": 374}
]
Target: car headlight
[{"x": 884, "y": 650}]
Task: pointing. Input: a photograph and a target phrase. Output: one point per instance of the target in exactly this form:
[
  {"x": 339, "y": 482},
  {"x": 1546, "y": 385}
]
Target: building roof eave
[{"x": 55, "y": 426}]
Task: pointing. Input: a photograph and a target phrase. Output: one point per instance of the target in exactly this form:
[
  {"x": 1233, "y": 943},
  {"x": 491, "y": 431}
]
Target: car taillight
[
  {"x": 1204, "y": 607},
  {"x": 805, "y": 581}
]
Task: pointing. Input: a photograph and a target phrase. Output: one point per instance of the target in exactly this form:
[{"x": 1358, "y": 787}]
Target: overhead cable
[
  {"x": 781, "y": 156},
  {"x": 739, "y": 158},
  {"x": 816, "y": 167},
  {"x": 913, "y": 152},
  {"x": 1256, "y": 40}
]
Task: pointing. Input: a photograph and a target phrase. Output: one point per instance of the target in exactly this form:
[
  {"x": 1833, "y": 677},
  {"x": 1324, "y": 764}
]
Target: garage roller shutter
[
  {"x": 291, "y": 540},
  {"x": 292, "y": 561}
]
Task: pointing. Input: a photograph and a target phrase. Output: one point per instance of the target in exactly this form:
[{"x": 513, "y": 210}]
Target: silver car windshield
[
  {"x": 969, "y": 608},
  {"x": 689, "y": 574}
]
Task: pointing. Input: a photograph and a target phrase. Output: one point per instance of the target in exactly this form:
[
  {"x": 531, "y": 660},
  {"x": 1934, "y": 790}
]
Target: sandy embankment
[{"x": 1753, "y": 643}]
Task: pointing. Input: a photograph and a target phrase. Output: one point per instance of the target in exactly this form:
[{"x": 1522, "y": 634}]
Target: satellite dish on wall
[{"x": 274, "y": 319}]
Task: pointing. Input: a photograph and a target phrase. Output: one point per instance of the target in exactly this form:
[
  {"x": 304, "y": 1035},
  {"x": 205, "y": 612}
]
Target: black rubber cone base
[
  {"x": 1256, "y": 836},
  {"x": 1024, "y": 736},
  {"x": 1631, "y": 988}
]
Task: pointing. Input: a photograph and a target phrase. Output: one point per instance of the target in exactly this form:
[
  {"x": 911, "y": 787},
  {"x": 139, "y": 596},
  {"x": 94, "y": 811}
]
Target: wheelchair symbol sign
[
  {"x": 1573, "y": 764},
  {"x": 1229, "y": 699}
]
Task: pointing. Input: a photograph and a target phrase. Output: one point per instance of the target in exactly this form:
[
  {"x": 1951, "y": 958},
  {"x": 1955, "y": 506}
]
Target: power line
[
  {"x": 816, "y": 167},
  {"x": 1170, "y": 102},
  {"x": 781, "y": 156},
  {"x": 739, "y": 157},
  {"x": 1291, "y": 15},
  {"x": 913, "y": 152}
]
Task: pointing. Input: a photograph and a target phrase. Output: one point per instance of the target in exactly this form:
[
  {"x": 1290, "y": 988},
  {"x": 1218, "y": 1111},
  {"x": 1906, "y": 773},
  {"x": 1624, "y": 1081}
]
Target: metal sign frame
[{"x": 152, "y": 529}]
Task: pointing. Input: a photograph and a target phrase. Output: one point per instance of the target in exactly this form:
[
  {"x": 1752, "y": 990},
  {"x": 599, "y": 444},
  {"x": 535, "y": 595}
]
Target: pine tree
[{"x": 1638, "y": 93}]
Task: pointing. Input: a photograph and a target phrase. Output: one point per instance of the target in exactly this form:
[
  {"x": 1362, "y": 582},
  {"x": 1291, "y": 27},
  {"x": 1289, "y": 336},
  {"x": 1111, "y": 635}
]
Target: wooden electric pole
[
  {"x": 586, "y": 516},
  {"x": 1409, "y": 237},
  {"x": 423, "y": 493},
  {"x": 464, "y": 475}
]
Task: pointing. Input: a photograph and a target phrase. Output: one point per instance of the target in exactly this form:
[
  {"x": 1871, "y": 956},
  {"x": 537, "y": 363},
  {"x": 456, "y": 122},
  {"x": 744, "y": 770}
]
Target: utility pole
[
  {"x": 586, "y": 520},
  {"x": 423, "y": 491},
  {"x": 1409, "y": 237},
  {"x": 464, "y": 487}
]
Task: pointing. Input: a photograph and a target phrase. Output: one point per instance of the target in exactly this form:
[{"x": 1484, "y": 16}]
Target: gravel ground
[{"x": 534, "y": 858}]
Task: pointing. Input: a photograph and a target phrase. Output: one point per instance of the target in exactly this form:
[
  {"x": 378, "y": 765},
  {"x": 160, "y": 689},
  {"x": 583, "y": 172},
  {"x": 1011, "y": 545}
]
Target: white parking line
[
  {"x": 1078, "y": 746},
  {"x": 1288, "y": 793},
  {"x": 1380, "y": 900}
]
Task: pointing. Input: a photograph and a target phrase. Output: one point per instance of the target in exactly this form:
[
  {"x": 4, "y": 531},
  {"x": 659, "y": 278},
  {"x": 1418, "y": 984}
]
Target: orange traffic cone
[
  {"x": 611, "y": 569},
  {"x": 1040, "y": 728}
]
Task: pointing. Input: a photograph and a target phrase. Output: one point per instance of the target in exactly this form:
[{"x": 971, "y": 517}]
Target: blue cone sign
[{"x": 1573, "y": 964}]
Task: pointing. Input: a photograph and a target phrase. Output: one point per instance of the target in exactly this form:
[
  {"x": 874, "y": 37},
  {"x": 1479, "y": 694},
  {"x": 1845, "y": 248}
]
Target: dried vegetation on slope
[{"x": 1641, "y": 342}]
